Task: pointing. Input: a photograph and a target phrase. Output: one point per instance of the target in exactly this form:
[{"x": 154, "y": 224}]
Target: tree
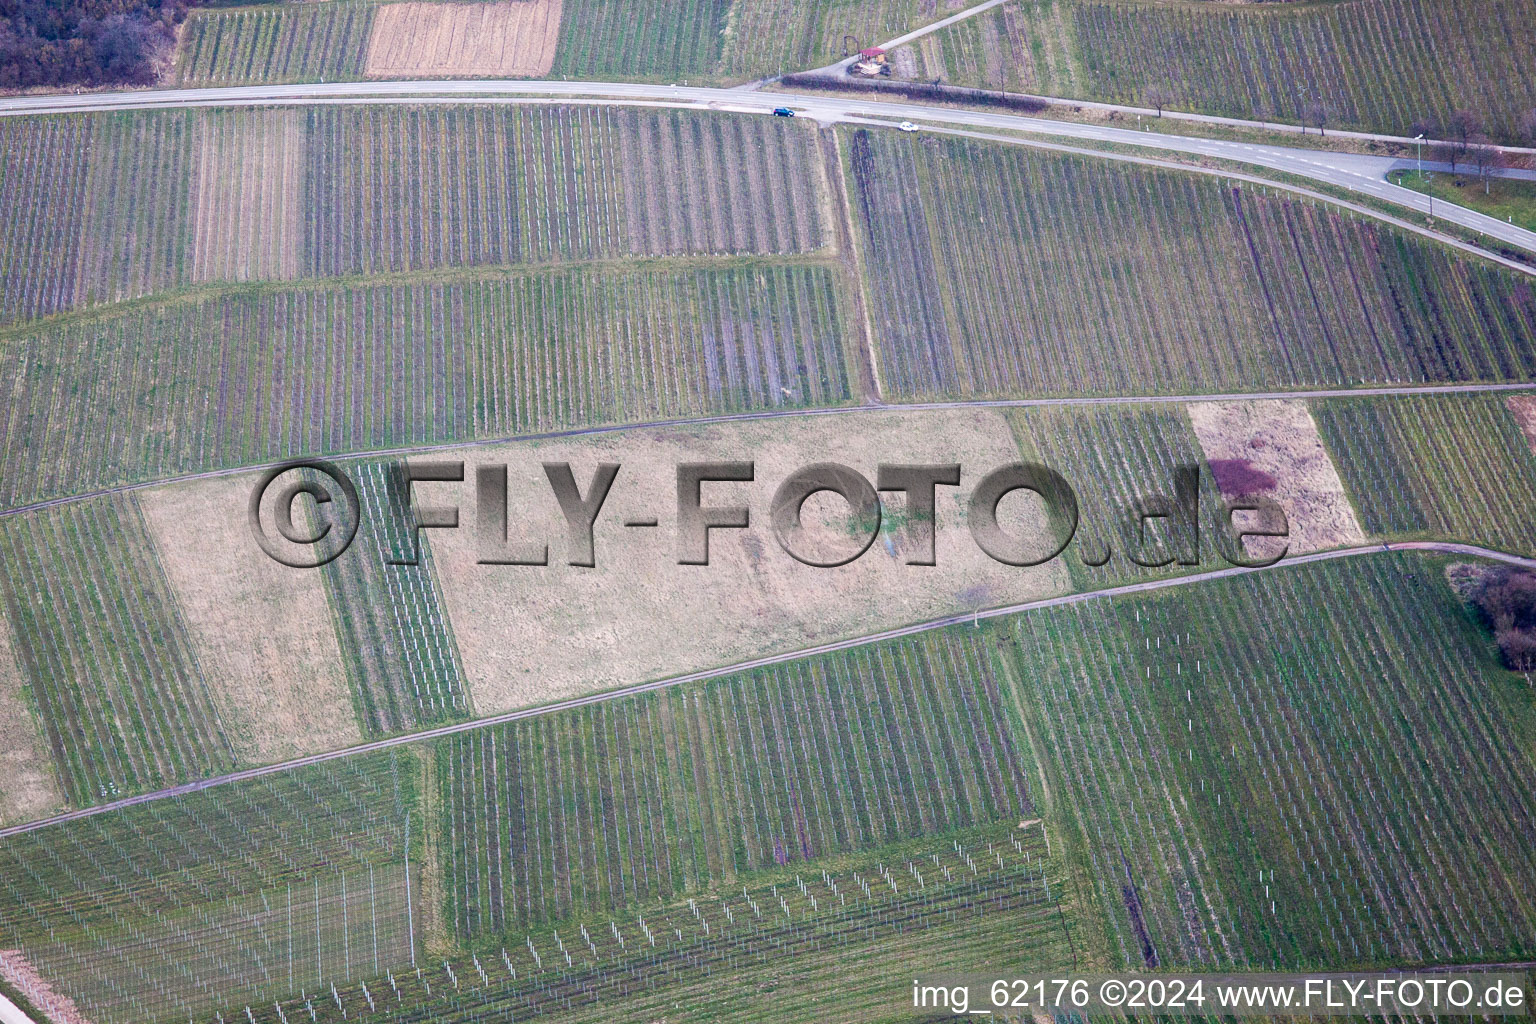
[
  {"x": 1464, "y": 126},
  {"x": 1528, "y": 127},
  {"x": 1157, "y": 96},
  {"x": 1425, "y": 126},
  {"x": 1507, "y": 600},
  {"x": 1317, "y": 114},
  {"x": 1486, "y": 157},
  {"x": 1445, "y": 152}
]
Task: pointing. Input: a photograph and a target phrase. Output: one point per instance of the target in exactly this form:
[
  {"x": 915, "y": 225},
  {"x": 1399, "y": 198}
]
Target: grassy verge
[{"x": 1509, "y": 200}]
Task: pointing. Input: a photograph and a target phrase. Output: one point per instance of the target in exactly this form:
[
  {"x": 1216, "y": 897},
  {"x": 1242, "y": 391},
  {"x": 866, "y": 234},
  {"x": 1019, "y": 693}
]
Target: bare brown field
[
  {"x": 534, "y": 634},
  {"x": 29, "y": 787},
  {"x": 1272, "y": 449},
  {"x": 247, "y": 195},
  {"x": 1524, "y": 409},
  {"x": 262, "y": 631},
  {"x": 514, "y": 38}
]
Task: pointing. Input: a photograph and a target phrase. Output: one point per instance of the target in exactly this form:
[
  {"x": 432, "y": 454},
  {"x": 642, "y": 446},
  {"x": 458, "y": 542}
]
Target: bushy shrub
[{"x": 1506, "y": 598}]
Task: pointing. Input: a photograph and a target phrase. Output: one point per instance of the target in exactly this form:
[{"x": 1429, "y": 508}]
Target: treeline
[{"x": 85, "y": 42}]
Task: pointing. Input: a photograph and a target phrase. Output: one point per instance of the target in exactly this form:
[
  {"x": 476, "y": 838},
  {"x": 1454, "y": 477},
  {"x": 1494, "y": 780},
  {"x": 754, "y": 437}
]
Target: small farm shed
[{"x": 872, "y": 62}]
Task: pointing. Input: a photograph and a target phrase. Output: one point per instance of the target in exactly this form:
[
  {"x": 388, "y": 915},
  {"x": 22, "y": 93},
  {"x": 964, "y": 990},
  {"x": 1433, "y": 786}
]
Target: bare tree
[
  {"x": 1426, "y": 126},
  {"x": 1464, "y": 126},
  {"x": 1317, "y": 114},
  {"x": 1446, "y": 152},
  {"x": 1157, "y": 96},
  {"x": 1488, "y": 158}
]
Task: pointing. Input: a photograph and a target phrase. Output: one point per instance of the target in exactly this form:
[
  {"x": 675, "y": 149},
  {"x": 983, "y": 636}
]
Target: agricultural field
[
  {"x": 771, "y": 37},
  {"x": 658, "y": 796},
  {"x": 1445, "y": 467},
  {"x": 250, "y": 376},
  {"x": 270, "y": 656},
  {"x": 402, "y": 662},
  {"x": 248, "y": 196},
  {"x": 43, "y": 170},
  {"x": 1373, "y": 65},
  {"x": 250, "y": 892},
  {"x": 65, "y": 180},
  {"x": 104, "y": 653},
  {"x": 512, "y": 39},
  {"x": 1231, "y": 763},
  {"x": 698, "y": 41},
  {"x": 1115, "y": 456},
  {"x": 160, "y": 200},
  {"x": 31, "y": 789},
  {"x": 284, "y": 42},
  {"x": 1272, "y": 449},
  {"x": 480, "y": 186},
  {"x": 986, "y": 279},
  {"x": 785, "y": 940},
  {"x": 530, "y": 635}
]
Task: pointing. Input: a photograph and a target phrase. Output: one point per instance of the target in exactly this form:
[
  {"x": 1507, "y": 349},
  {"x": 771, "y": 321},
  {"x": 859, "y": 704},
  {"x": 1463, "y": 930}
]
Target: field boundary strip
[
  {"x": 775, "y": 414},
  {"x": 1146, "y": 586}
]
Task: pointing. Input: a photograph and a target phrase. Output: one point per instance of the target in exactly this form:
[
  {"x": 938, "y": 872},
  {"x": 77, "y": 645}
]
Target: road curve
[
  {"x": 1337, "y": 169},
  {"x": 1469, "y": 550},
  {"x": 774, "y": 414}
]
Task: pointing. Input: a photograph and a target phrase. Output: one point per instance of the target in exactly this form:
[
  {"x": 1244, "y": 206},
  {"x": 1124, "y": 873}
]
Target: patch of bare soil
[
  {"x": 1271, "y": 449},
  {"x": 29, "y": 785},
  {"x": 514, "y": 38},
  {"x": 247, "y": 192},
  {"x": 262, "y": 631},
  {"x": 1524, "y": 409},
  {"x": 19, "y": 973},
  {"x": 535, "y": 634}
]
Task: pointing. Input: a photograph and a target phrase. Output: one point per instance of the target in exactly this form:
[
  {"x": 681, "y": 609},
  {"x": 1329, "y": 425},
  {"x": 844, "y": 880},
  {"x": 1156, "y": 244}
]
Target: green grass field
[{"x": 1373, "y": 65}]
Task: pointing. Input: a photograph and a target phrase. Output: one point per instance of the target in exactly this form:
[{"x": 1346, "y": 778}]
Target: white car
[{"x": 907, "y": 126}]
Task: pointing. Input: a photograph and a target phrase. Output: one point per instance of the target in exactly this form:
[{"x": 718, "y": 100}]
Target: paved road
[
  {"x": 770, "y": 414},
  {"x": 1337, "y": 169},
  {"x": 1469, "y": 550}
]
